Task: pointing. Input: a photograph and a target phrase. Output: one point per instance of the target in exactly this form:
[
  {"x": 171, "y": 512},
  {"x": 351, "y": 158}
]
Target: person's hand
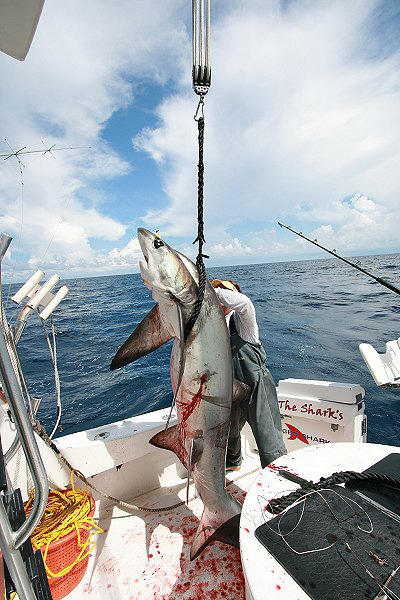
[{"x": 226, "y": 310}]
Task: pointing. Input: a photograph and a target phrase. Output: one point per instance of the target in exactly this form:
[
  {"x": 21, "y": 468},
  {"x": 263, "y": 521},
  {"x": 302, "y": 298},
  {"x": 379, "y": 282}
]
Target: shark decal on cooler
[{"x": 295, "y": 434}]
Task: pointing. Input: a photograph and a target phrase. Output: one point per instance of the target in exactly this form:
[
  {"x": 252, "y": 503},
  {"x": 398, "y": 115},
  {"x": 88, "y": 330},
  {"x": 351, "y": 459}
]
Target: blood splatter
[
  {"x": 155, "y": 324},
  {"x": 273, "y": 467},
  {"x": 185, "y": 410},
  {"x": 110, "y": 566},
  {"x": 188, "y": 407}
]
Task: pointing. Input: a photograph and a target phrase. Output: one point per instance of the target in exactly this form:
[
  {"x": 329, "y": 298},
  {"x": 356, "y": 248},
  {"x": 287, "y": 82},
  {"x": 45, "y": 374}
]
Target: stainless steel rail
[
  {"x": 20, "y": 416},
  {"x": 10, "y": 540},
  {"x": 16, "y": 443},
  {"x": 14, "y": 560},
  {"x": 5, "y": 241}
]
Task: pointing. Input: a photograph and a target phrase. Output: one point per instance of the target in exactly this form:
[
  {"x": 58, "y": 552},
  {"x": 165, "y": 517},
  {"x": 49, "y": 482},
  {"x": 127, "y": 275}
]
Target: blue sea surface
[{"x": 312, "y": 316}]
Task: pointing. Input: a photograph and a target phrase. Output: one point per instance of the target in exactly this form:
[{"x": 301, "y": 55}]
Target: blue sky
[{"x": 302, "y": 127}]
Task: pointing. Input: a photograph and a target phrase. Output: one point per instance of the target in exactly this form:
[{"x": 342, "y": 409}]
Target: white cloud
[
  {"x": 356, "y": 224},
  {"x": 304, "y": 109},
  {"x": 128, "y": 255},
  {"x": 302, "y": 113},
  {"x": 82, "y": 67},
  {"x": 235, "y": 249},
  {"x": 68, "y": 260},
  {"x": 363, "y": 224}
]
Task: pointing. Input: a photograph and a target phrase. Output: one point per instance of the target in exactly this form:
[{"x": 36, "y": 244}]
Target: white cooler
[{"x": 321, "y": 412}]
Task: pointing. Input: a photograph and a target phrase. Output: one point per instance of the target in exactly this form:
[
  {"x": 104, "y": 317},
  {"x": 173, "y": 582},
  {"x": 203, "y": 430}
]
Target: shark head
[{"x": 163, "y": 271}]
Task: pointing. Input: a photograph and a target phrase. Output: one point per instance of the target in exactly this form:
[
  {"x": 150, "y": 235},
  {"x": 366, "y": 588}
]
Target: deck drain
[{"x": 102, "y": 436}]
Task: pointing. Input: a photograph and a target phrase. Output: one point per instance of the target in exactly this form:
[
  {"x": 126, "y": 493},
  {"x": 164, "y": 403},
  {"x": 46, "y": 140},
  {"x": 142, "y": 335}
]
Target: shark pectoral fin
[
  {"x": 171, "y": 440},
  {"x": 228, "y": 533},
  {"x": 241, "y": 392},
  {"x": 149, "y": 335}
]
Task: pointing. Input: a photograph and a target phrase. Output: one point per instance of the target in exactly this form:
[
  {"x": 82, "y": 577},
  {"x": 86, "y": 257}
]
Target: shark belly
[{"x": 204, "y": 408}]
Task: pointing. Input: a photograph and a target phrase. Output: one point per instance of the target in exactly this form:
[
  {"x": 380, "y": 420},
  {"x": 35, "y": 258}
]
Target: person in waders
[{"x": 261, "y": 408}]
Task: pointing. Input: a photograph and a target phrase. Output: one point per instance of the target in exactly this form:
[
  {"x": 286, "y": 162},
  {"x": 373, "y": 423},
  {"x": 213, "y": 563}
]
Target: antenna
[
  {"x": 47, "y": 150},
  {"x": 13, "y": 153}
]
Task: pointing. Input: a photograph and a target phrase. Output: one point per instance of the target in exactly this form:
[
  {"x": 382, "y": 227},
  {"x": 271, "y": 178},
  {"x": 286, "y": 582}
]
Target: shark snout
[
  {"x": 144, "y": 233},
  {"x": 146, "y": 239}
]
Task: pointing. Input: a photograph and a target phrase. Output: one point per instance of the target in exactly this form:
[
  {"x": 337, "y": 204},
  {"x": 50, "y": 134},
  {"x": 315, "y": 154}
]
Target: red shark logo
[{"x": 295, "y": 434}]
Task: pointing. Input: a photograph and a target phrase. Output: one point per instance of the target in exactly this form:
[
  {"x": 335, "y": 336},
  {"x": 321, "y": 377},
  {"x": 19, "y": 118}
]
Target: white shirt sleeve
[{"x": 244, "y": 313}]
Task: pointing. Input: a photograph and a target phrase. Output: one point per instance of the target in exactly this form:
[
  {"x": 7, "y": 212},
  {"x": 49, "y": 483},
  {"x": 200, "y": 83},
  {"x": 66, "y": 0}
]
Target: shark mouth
[{"x": 144, "y": 263}]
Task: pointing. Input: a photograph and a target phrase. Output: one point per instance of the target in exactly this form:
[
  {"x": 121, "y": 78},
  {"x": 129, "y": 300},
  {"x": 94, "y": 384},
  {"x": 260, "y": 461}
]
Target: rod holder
[
  {"x": 52, "y": 305},
  {"x": 38, "y": 295},
  {"x": 27, "y": 288},
  {"x": 44, "y": 290}
]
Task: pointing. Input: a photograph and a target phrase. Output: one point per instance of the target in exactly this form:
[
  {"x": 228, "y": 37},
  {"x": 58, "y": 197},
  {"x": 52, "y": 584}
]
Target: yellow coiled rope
[{"x": 65, "y": 512}]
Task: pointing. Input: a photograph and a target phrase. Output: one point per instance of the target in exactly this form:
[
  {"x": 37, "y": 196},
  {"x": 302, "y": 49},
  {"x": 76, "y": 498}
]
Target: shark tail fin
[
  {"x": 227, "y": 532},
  {"x": 171, "y": 440}
]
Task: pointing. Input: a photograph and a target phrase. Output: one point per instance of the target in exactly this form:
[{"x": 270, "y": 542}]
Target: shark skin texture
[{"x": 201, "y": 377}]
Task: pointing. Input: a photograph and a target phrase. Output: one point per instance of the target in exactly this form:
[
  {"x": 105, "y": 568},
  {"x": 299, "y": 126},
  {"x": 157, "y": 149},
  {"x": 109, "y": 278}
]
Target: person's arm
[
  {"x": 245, "y": 314},
  {"x": 233, "y": 300}
]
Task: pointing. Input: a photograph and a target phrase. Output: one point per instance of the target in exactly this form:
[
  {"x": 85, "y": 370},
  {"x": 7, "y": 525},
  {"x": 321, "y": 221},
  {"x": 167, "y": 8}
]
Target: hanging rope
[
  {"x": 53, "y": 354},
  {"x": 200, "y": 222},
  {"x": 39, "y": 429},
  {"x": 201, "y": 73}
]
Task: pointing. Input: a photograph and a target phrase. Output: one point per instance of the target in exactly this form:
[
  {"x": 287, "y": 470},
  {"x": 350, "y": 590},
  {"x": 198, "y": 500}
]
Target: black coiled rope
[
  {"x": 277, "y": 505},
  {"x": 200, "y": 226}
]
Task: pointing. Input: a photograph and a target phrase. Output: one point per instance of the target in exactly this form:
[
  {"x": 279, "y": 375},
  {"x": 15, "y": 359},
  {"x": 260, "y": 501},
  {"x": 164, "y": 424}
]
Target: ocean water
[{"x": 312, "y": 315}]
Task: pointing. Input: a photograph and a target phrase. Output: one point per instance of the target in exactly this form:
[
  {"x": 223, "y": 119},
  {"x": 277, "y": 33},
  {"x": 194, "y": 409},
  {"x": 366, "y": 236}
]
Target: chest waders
[{"x": 261, "y": 411}]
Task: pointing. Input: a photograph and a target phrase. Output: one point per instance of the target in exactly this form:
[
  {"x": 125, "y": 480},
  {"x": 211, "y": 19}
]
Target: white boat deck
[{"x": 145, "y": 556}]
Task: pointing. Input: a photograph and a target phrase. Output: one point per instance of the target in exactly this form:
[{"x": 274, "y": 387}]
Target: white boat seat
[{"x": 384, "y": 368}]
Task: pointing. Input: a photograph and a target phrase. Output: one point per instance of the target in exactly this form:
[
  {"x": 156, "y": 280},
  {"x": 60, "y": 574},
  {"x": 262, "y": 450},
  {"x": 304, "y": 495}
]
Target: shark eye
[{"x": 158, "y": 243}]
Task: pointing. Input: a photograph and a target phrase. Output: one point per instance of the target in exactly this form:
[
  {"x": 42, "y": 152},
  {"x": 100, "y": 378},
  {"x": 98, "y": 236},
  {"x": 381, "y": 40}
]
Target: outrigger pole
[{"x": 383, "y": 282}]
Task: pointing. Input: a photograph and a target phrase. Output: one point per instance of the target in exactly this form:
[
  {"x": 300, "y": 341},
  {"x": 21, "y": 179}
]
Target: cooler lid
[{"x": 348, "y": 393}]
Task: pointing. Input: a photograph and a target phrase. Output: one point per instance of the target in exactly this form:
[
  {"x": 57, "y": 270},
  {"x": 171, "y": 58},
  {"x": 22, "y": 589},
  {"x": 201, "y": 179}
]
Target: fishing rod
[{"x": 383, "y": 282}]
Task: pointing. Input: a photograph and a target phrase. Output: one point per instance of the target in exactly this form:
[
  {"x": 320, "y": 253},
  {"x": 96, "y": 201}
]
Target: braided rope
[
  {"x": 200, "y": 229},
  {"x": 39, "y": 429},
  {"x": 277, "y": 505},
  {"x": 53, "y": 355}
]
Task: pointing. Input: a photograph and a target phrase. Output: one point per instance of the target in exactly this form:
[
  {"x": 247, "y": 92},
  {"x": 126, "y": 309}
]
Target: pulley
[{"x": 201, "y": 46}]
